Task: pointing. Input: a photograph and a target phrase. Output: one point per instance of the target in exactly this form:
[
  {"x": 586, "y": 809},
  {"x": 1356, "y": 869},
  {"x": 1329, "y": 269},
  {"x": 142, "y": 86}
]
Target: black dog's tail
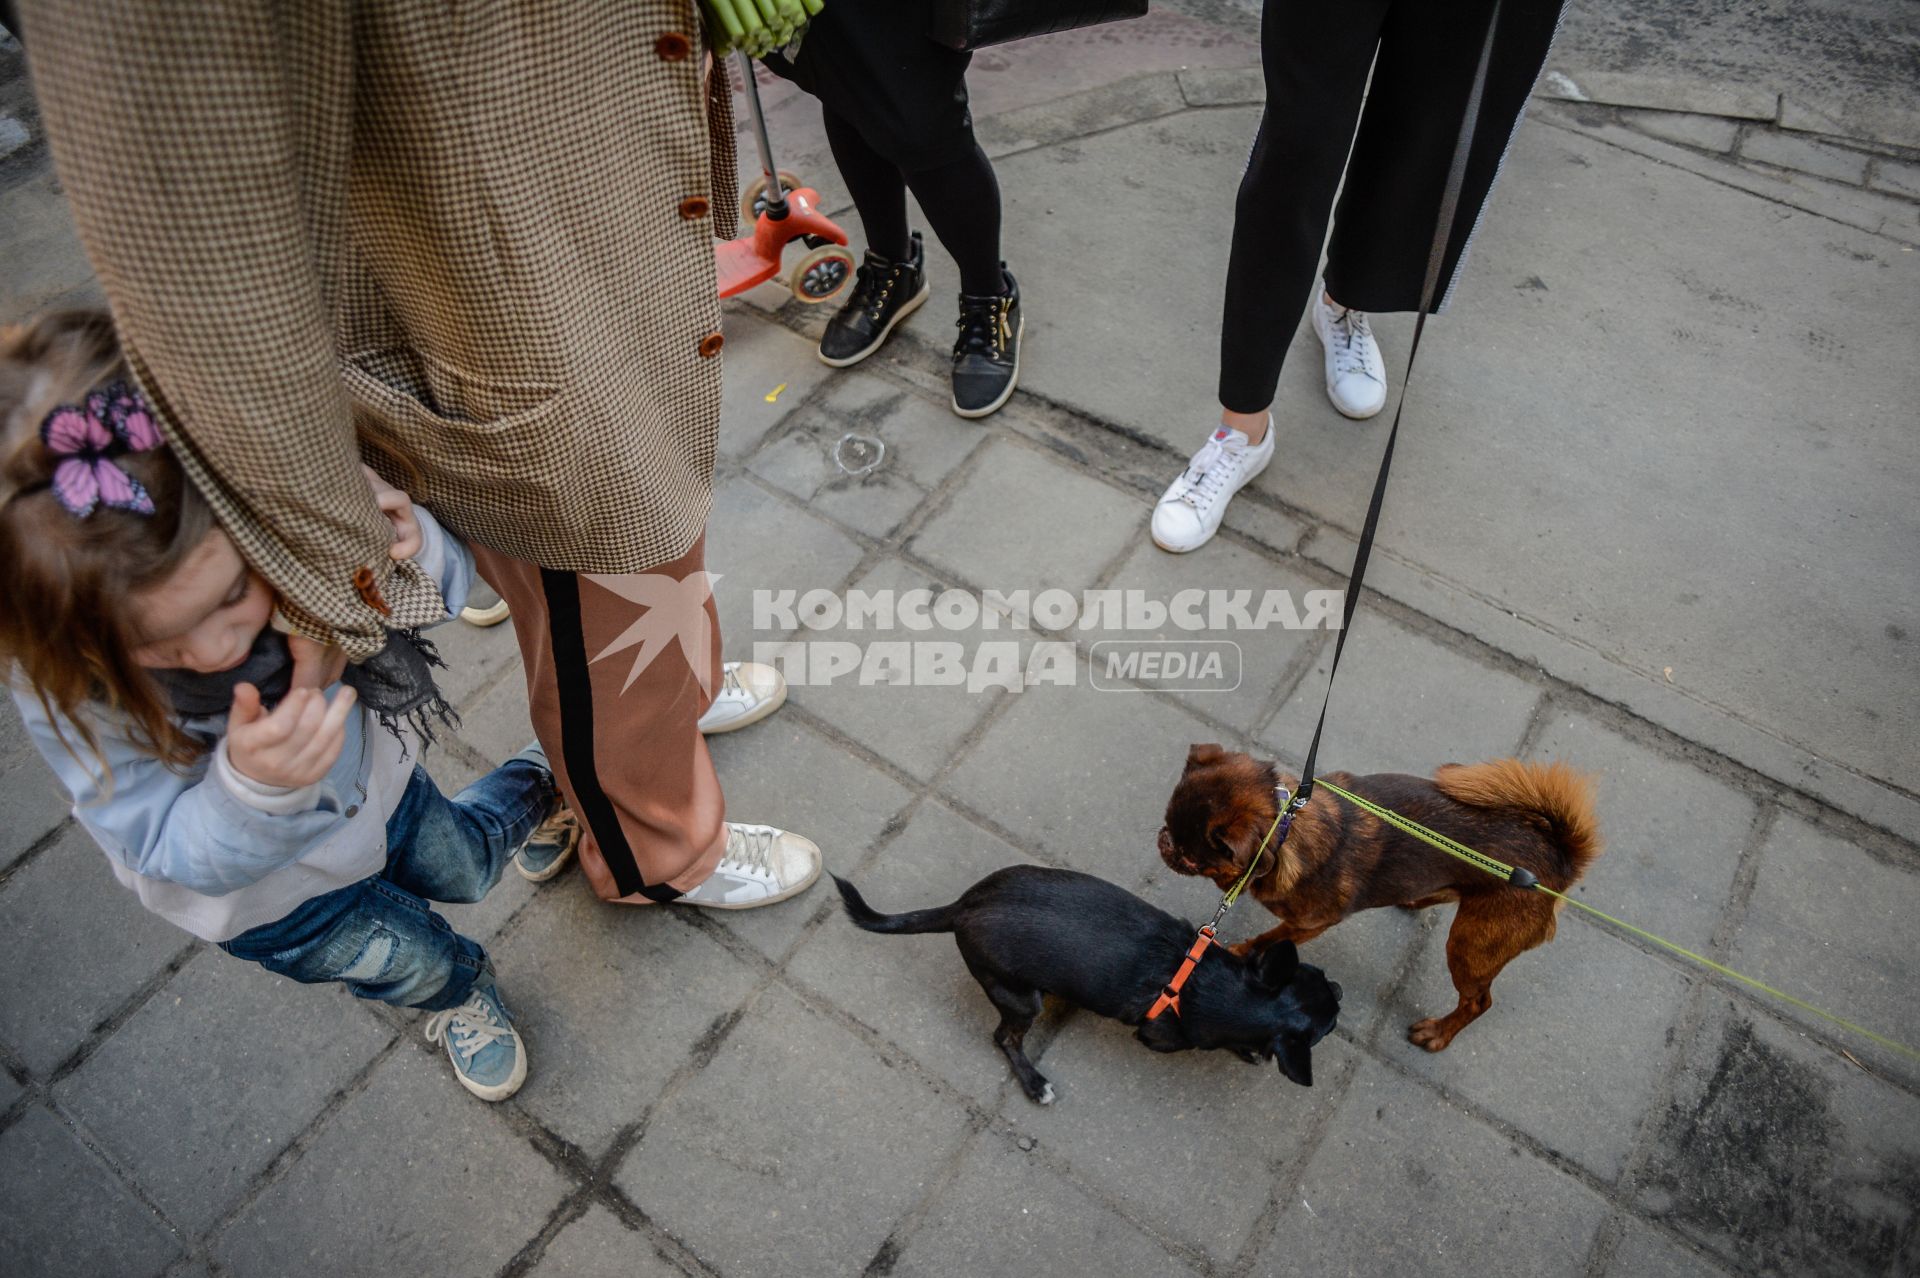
[{"x": 865, "y": 916}]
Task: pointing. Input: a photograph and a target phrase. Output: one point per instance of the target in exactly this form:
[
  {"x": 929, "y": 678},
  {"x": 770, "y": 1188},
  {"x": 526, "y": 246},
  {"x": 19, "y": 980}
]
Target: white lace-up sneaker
[
  {"x": 762, "y": 864},
  {"x": 1191, "y": 509},
  {"x": 1356, "y": 375},
  {"x": 749, "y": 692}
]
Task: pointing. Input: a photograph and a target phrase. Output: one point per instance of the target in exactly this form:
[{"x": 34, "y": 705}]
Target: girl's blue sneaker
[
  {"x": 549, "y": 848},
  {"x": 488, "y": 1057}
]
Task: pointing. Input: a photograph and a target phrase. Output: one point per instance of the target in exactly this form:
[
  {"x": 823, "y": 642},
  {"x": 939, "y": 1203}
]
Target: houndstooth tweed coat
[{"x": 479, "y": 232}]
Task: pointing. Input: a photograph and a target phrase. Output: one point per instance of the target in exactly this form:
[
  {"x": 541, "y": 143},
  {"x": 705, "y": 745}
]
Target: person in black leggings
[
  {"x": 1316, "y": 57},
  {"x": 895, "y": 106}
]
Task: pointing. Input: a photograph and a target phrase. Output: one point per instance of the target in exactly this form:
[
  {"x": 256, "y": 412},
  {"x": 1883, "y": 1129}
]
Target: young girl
[{"x": 296, "y": 832}]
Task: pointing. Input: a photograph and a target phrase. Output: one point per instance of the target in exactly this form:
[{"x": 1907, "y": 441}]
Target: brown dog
[{"x": 1339, "y": 859}]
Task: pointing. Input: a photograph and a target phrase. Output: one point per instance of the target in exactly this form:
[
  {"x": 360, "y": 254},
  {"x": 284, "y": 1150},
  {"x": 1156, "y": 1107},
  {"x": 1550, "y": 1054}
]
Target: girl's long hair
[{"x": 67, "y": 585}]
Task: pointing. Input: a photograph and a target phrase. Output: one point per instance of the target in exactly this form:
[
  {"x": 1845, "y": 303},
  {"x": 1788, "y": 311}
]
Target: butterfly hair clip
[{"x": 87, "y": 437}]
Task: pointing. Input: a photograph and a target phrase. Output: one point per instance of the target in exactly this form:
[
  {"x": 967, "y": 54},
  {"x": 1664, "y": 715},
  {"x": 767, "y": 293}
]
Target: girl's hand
[
  {"x": 296, "y": 744},
  {"x": 398, "y": 508}
]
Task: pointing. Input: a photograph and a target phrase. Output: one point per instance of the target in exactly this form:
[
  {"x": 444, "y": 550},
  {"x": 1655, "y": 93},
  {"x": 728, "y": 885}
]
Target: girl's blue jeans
[{"x": 380, "y": 937}]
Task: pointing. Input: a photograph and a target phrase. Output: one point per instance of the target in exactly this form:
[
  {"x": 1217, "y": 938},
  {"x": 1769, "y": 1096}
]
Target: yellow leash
[
  {"x": 1501, "y": 870},
  {"x": 1282, "y": 822}
]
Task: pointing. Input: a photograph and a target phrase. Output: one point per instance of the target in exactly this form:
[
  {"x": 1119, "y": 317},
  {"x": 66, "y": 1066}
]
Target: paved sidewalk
[{"x": 1652, "y": 514}]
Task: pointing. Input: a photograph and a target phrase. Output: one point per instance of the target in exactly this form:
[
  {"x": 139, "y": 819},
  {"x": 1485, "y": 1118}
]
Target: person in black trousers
[
  {"x": 1316, "y": 57},
  {"x": 895, "y": 106}
]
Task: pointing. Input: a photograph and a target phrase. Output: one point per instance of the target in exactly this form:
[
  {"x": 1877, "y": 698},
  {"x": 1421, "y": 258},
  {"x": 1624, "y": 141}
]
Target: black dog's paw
[
  {"x": 1250, "y": 1056},
  {"x": 1039, "y": 1090}
]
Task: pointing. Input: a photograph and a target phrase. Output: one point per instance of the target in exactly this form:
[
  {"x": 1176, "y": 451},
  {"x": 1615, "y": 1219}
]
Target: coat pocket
[{"x": 444, "y": 419}]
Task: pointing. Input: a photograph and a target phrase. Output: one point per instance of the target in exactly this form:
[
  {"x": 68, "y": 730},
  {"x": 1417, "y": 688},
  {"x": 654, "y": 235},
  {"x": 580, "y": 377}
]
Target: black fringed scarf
[{"x": 395, "y": 683}]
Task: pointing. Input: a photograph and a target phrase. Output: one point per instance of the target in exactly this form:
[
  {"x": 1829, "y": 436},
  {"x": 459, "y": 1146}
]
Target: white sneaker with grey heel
[
  {"x": 762, "y": 864},
  {"x": 748, "y": 693},
  {"x": 1191, "y": 509},
  {"x": 1356, "y": 375}
]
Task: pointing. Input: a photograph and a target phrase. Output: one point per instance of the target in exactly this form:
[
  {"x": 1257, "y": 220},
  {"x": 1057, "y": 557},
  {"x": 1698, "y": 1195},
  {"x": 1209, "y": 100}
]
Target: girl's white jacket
[{"x": 216, "y": 852}]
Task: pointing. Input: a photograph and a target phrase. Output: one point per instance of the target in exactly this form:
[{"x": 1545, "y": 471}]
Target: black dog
[{"x": 1026, "y": 931}]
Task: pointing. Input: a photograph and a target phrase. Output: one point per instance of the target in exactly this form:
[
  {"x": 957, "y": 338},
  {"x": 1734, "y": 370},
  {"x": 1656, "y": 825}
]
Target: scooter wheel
[
  {"x": 753, "y": 196},
  {"x": 821, "y": 274}
]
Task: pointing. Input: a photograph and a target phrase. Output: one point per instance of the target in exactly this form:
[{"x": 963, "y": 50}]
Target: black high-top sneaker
[
  {"x": 986, "y": 359},
  {"x": 884, "y": 293}
]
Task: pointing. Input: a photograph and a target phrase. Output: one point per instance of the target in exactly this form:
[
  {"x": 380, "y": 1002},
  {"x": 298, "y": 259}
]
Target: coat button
[
  {"x": 353, "y": 810},
  {"x": 694, "y": 206},
  {"x": 710, "y": 345},
  {"x": 672, "y": 47}
]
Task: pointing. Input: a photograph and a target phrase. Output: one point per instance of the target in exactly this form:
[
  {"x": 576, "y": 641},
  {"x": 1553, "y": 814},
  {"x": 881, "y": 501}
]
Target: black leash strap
[{"x": 1436, "y": 259}]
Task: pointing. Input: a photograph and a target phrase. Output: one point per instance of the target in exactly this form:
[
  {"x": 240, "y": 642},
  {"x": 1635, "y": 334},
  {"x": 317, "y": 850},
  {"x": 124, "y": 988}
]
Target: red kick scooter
[{"x": 781, "y": 211}]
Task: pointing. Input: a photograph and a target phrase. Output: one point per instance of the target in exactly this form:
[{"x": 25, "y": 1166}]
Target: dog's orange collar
[
  {"x": 1170, "y": 996},
  {"x": 1282, "y": 822}
]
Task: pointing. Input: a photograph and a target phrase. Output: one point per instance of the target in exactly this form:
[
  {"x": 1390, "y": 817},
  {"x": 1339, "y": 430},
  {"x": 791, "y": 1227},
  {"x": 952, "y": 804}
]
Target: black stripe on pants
[{"x": 575, "y": 686}]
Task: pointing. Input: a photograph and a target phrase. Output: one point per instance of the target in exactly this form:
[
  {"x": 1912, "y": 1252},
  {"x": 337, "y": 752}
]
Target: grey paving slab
[
  {"x": 1145, "y": 1128},
  {"x": 1119, "y": 756},
  {"x": 914, "y": 724},
  {"x": 1412, "y": 1185},
  {"x": 598, "y": 1245},
  {"x": 1021, "y": 521},
  {"x": 1896, "y": 177},
  {"x": 1232, "y": 576},
  {"x": 923, "y": 437},
  {"x": 9, "y": 1090},
  {"x": 193, "y": 1095},
  {"x": 1067, "y": 118},
  {"x": 757, "y": 1164},
  {"x": 843, "y": 805},
  {"x": 32, "y": 803},
  {"x": 1672, "y": 834},
  {"x": 44, "y": 265},
  {"x": 412, "y": 1175},
  {"x": 1659, "y": 92},
  {"x": 612, "y": 1000},
  {"x": 66, "y": 1216},
  {"x": 1585, "y": 1020},
  {"x": 1273, "y": 529},
  {"x": 1783, "y": 1157},
  {"x": 1224, "y": 86},
  {"x": 1403, "y": 704},
  {"x": 1833, "y": 925},
  {"x": 915, "y": 990},
  {"x": 760, "y": 360},
  {"x": 1006, "y": 1213},
  {"x": 1707, "y": 132},
  {"x": 1808, "y": 155},
  {"x": 1645, "y": 1252},
  {"x": 475, "y": 657},
  {"x": 1851, "y": 58},
  {"x": 75, "y": 946},
  {"x": 757, "y": 541},
  {"x": 496, "y": 722},
  {"x": 921, "y": 442}
]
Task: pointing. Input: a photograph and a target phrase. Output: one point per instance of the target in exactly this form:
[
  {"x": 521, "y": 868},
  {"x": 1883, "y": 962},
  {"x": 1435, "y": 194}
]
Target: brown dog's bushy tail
[
  {"x": 865, "y": 916},
  {"x": 1560, "y": 796}
]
